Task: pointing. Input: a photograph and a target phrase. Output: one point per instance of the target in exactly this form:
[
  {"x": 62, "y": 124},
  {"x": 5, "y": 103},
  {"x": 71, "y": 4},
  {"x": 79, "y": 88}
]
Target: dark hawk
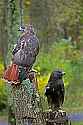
[{"x": 55, "y": 89}]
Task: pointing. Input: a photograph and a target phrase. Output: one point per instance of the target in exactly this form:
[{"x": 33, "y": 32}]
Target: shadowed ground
[
  {"x": 76, "y": 119},
  {"x": 3, "y": 120}
]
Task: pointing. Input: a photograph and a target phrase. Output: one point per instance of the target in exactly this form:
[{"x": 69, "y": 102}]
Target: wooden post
[{"x": 56, "y": 118}]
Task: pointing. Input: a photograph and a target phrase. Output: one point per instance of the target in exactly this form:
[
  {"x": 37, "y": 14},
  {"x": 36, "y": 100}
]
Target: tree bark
[{"x": 3, "y": 30}]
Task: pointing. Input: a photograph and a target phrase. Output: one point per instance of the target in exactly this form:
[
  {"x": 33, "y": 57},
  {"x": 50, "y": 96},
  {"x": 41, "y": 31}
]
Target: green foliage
[
  {"x": 60, "y": 56},
  {"x": 3, "y": 95},
  {"x": 63, "y": 55},
  {"x": 3, "y": 91}
]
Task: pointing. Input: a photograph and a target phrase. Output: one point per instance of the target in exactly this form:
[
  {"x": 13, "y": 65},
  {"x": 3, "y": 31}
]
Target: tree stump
[{"x": 58, "y": 117}]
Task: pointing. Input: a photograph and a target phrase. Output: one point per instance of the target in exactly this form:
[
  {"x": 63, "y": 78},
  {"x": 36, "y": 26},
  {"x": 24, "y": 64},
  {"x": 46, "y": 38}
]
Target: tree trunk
[{"x": 3, "y": 30}]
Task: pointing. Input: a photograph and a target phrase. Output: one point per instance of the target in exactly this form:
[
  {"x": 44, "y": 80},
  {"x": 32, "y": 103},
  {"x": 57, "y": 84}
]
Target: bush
[
  {"x": 3, "y": 95},
  {"x": 63, "y": 56},
  {"x": 3, "y": 91}
]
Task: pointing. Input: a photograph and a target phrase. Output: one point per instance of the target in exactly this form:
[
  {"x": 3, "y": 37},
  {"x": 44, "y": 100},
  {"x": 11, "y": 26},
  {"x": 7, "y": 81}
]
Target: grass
[{"x": 77, "y": 123}]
